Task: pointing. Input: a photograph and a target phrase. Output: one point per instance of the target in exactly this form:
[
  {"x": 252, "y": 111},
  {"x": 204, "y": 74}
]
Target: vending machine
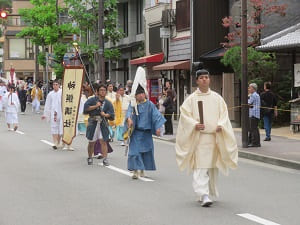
[{"x": 154, "y": 89}]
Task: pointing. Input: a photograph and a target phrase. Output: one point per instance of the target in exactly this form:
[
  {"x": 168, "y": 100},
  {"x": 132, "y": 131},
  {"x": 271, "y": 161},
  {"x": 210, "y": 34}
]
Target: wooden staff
[{"x": 200, "y": 108}]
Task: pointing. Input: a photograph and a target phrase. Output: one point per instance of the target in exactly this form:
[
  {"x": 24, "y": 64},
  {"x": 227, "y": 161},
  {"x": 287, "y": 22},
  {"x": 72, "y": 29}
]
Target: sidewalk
[{"x": 283, "y": 150}]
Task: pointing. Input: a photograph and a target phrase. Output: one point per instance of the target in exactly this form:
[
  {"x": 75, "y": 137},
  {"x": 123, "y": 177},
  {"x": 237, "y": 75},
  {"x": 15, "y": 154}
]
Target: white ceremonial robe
[
  {"x": 11, "y": 104},
  {"x": 52, "y": 106},
  {"x": 80, "y": 119},
  {"x": 111, "y": 96},
  {"x": 3, "y": 91},
  {"x": 206, "y": 149},
  {"x": 125, "y": 99}
]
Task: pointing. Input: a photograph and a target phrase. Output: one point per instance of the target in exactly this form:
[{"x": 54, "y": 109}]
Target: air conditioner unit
[{"x": 168, "y": 17}]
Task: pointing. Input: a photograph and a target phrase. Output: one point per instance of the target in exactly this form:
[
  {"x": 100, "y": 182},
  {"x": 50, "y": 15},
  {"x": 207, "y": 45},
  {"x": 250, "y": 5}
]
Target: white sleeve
[
  {"x": 47, "y": 109},
  {"x": 16, "y": 102}
]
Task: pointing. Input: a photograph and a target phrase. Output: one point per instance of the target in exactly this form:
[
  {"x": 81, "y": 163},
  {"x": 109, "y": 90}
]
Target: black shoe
[
  {"x": 54, "y": 147},
  {"x": 254, "y": 146},
  {"x": 267, "y": 139},
  {"x": 90, "y": 161},
  {"x": 105, "y": 162}
]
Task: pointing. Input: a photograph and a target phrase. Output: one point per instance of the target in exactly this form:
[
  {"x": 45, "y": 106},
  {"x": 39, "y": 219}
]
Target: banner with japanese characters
[{"x": 71, "y": 94}]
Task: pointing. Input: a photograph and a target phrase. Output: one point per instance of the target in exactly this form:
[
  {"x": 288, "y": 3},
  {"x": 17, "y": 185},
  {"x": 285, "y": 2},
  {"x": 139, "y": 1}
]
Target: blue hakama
[{"x": 141, "y": 148}]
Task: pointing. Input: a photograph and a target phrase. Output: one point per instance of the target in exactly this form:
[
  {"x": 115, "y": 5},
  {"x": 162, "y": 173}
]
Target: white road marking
[
  {"x": 47, "y": 142},
  {"x": 125, "y": 172},
  {"x": 163, "y": 141},
  {"x": 19, "y": 132},
  {"x": 257, "y": 219}
]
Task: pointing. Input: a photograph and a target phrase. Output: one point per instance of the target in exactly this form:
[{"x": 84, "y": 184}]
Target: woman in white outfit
[{"x": 11, "y": 104}]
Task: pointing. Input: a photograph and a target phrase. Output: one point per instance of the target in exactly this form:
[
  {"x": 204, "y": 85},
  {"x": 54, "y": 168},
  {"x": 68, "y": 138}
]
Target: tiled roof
[{"x": 288, "y": 38}]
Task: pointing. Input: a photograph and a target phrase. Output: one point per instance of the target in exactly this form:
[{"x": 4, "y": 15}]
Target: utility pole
[
  {"x": 244, "y": 97},
  {"x": 47, "y": 70},
  {"x": 37, "y": 67},
  {"x": 101, "y": 64}
]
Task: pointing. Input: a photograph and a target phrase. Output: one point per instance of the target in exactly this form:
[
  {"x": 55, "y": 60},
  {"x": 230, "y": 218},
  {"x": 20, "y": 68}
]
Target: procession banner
[{"x": 71, "y": 94}]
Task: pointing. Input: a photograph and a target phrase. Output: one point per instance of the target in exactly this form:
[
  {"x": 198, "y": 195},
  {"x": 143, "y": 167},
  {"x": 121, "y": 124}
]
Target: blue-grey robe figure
[{"x": 146, "y": 123}]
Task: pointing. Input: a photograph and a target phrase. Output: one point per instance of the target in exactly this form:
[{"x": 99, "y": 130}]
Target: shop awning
[
  {"x": 178, "y": 65},
  {"x": 157, "y": 58}
]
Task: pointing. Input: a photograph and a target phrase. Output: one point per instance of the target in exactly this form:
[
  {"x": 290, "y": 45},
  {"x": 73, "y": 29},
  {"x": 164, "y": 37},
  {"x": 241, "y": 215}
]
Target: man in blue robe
[
  {"x": 145, "y": 121},
  {"x": 100, "y": 110}
]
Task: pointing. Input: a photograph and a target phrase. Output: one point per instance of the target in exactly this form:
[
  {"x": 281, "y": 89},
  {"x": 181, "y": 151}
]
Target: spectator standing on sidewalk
[
  {"x": 169, "y": 87},
  {"x": 22, "y": 94},
  {"x": 208, "y": 147},
  {"x": 169, "y": 110},
  {"x": 268, "y": 102},
  {"x": 254, "y": 115}
]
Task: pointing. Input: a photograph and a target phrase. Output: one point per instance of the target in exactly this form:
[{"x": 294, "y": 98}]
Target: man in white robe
[
  {"x": 208, "y": 147},
  {"x": 110, "y": 92},
  {"x": 3, "y": 91},
  {"x": 53, "y": 113},
  {"x": 11, "y": 107}
]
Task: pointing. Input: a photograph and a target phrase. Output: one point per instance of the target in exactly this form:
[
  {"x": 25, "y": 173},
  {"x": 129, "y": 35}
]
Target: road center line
[
  {"x": 47, "y": 142},
  {"x": 257, "y": 219},
  {"x": 125, "y": 172},
  {"x": 19, "y": 132}
]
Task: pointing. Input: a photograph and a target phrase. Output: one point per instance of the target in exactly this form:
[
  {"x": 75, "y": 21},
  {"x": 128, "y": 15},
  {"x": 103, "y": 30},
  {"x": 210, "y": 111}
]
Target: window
[
  {"x": 139, "y": 16},
  {"x": 125, "y": 18},
  {"x": 29, "y": 49},
  {"x": 20, "y": 49},
  {"x": 155, "y": 45},
  {"x": 182, "y": 15},
  {"x": 125, "y": 69}
]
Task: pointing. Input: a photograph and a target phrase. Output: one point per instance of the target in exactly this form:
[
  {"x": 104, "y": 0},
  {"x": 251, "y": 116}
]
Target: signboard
[
  {"x": 297, "y": 75},
  {"x": 164, "y": 32},
  {"x": 71, "y": 94}
]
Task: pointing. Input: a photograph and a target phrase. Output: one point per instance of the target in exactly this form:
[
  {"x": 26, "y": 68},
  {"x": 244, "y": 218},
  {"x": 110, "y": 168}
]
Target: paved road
[{"x": 40, "y": 186}]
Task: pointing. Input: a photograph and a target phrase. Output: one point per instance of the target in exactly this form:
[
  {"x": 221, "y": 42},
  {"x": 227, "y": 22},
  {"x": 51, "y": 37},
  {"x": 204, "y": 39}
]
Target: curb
[
  {"x": 257, "y": 157},
  {"x": 270, "y": 160}
]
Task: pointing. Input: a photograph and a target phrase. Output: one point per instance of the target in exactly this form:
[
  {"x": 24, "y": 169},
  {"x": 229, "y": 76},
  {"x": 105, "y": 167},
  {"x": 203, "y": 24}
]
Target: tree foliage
[
  {"x": 86, "y": 16},
  {"x": 5, "y": 4},
  {"x": 46, "y": 30},
  {"x": 254, "y": 25},
  {"x": 261, "y": 66}
]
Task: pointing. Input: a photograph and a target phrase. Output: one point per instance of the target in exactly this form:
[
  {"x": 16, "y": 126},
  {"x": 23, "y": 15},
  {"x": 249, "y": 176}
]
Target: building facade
[{"x": 131, "y": 21}]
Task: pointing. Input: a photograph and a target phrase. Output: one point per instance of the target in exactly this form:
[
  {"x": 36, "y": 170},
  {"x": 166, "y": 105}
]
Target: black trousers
[
  {"x": 168, "y": 124},
  {"x": 23, "y": 106},
  {"x": 254, "y": 137}
]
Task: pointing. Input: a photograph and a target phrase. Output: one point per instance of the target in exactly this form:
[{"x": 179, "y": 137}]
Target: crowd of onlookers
[{"x": 263, "y": 106}]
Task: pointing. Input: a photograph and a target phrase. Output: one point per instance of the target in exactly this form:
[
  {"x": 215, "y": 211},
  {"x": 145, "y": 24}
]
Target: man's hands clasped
[{"x": 200, "y": 127}]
